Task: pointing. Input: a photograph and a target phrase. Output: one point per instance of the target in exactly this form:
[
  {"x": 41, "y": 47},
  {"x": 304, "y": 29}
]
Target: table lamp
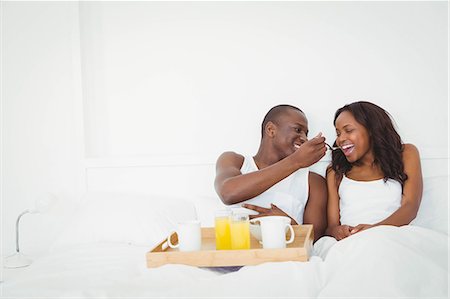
[{"x": 41, "y": 205}]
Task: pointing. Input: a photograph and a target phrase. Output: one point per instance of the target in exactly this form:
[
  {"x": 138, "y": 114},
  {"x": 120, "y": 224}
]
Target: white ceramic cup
[
  {"x": 273, "y": 232},
  {"x": 189, "y": 236},
  {"x": 255, "y": 227}
]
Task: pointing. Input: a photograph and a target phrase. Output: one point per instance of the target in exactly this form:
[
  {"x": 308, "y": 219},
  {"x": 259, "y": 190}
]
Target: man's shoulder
[{"x": 231, "y": 157}]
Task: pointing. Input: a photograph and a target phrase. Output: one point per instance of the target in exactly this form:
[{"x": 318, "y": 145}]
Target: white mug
[
  {"x": 189, "y": 236},
  {"x": 273, "y": 232}
]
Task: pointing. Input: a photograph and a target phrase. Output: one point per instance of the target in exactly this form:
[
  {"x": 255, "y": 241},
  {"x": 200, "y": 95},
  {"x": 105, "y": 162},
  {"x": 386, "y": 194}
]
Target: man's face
[{"x": 291, "y": 132}]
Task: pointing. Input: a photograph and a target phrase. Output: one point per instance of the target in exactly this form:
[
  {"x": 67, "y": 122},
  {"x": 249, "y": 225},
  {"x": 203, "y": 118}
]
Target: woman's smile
[{"x": 348, "y": 149}]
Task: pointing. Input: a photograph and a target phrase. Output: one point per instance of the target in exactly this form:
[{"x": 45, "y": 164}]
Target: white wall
[
  {"x": 173, "y": 84},
  {"x": 41, "y": 144},
  {"x": 177, "y": 78},
  {"x": 148, "y": 94}
]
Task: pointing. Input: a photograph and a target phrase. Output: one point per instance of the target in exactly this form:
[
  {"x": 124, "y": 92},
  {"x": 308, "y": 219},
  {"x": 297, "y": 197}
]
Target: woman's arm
[
  {"x": 334, "y": 229},
  {"x": 412, "y": 192}
]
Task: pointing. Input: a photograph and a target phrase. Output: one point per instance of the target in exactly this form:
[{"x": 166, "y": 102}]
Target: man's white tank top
[
  {"x": 289, "y": 194},
  {"x": 368, "y": 202}
]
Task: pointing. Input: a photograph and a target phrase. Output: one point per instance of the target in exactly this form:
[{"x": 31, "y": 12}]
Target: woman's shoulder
[
  {"x": 330, "y": 171},
  {"x": 332, "y": 177},
  {"x": 410, "y": 151},
  {"x": 410, "y": 155},
  {"x": 409, "y": 147}
]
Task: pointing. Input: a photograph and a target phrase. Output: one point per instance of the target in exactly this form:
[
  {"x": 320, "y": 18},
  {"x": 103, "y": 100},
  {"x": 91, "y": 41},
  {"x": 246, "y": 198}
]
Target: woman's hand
[
  {"x": 360, "y": 227},
  {"x": 272, "y": 211},
  {"x": 340, "y": 232}
]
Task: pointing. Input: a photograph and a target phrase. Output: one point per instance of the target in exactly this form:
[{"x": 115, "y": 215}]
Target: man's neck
[{"x": 264, "y": 158}]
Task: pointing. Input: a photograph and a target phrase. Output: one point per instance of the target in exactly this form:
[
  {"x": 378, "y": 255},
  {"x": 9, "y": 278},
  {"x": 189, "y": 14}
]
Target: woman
[{"x": 374, "y": 179}]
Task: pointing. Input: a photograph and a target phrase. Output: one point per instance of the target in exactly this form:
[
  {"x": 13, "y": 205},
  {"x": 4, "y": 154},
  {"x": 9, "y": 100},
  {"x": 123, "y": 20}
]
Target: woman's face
[{"x": 352, "y": 137}]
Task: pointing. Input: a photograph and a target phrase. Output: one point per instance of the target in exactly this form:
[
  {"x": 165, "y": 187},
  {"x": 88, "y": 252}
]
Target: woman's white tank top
[
  {"x": 289, "y": 194},
  {"x": 368, "y": 202}
]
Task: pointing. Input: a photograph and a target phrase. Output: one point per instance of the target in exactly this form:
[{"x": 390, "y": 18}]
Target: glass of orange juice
[
  {"x": 240, "y": 231},
  {"x": 222, "y": 229}
]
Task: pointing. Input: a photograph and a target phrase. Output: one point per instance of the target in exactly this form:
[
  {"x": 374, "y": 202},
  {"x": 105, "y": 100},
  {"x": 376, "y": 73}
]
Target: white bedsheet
[
  {"x": 381, "y": 262},
  {"x": 388, "y": 261}
]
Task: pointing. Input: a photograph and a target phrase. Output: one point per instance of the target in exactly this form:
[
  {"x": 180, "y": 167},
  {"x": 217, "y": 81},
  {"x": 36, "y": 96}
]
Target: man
[{"x": 276, "y": 181}]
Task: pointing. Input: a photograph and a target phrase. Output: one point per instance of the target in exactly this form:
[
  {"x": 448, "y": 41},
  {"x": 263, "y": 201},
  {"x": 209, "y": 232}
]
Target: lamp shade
[{"x": 43, "y": 203}]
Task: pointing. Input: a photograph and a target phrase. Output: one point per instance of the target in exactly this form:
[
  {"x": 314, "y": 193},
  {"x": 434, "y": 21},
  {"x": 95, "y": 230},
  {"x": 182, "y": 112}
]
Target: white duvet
[{"x": 384, "y": 261}]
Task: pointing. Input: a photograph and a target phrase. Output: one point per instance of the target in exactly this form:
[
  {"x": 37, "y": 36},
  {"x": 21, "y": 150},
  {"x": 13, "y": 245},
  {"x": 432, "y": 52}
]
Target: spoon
[{"x": 332, "y": 148}]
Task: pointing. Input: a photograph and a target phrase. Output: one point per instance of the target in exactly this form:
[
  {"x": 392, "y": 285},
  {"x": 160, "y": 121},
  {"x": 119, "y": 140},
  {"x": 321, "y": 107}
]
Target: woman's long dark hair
[{"x": 385, "y": 141}]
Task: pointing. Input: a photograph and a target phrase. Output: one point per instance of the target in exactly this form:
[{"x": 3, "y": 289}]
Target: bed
[{"x": 106, "y": 259}]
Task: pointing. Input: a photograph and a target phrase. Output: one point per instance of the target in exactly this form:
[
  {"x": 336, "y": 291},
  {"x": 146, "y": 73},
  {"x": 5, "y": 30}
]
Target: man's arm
[
  {"x": 316, "y": 208},
  {"x": 233, "y": 187}
]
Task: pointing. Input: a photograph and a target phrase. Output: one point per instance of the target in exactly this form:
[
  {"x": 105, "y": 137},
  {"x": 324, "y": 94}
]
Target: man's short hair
[{"x": 274, "y": 113}]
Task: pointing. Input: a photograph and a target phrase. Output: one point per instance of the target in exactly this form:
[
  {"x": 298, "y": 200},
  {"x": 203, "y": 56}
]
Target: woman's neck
[
  {"x": 366, "y": 168},
  {"x": 366, "y": 171}
]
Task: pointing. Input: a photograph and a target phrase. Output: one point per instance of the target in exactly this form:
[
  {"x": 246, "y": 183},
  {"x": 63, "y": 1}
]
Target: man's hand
[
  {"x": 341, "y": 232},
  {"x": 272, "y": 211},
  {"x": 311, "y": 151}
]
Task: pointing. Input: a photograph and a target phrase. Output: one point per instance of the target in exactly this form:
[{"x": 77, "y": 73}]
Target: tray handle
[{"x": 163, "y": 245}]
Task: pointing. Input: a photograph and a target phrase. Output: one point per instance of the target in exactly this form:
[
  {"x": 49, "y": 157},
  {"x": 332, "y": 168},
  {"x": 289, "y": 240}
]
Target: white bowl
[{"x": 255, "y": 227}]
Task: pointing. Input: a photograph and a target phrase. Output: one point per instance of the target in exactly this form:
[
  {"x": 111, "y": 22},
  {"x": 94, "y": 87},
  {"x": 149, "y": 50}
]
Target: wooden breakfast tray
[{"x": 208, "y": 256}]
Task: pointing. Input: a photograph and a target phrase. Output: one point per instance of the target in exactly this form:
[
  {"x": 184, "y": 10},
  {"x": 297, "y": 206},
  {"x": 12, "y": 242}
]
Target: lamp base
[{"x": 17, "y": 260}]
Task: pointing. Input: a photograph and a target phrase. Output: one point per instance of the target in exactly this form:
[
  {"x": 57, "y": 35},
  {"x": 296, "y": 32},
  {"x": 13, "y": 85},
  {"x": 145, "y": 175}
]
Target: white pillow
[
  {"x": 142, "y": 220},
  {"x": 433, "y": 210}
]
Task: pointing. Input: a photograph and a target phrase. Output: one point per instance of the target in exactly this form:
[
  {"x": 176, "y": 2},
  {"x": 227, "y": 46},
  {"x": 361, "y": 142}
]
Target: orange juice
[
  {"x": 240, "y": 234},
  {"x": 222, "y": 229}
]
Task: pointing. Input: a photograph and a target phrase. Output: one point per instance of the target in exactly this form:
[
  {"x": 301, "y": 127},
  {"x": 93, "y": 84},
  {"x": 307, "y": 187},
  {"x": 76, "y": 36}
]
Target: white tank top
[
  {"x": 289, "y": 194},
  {"x": 368, "y": 202}
]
